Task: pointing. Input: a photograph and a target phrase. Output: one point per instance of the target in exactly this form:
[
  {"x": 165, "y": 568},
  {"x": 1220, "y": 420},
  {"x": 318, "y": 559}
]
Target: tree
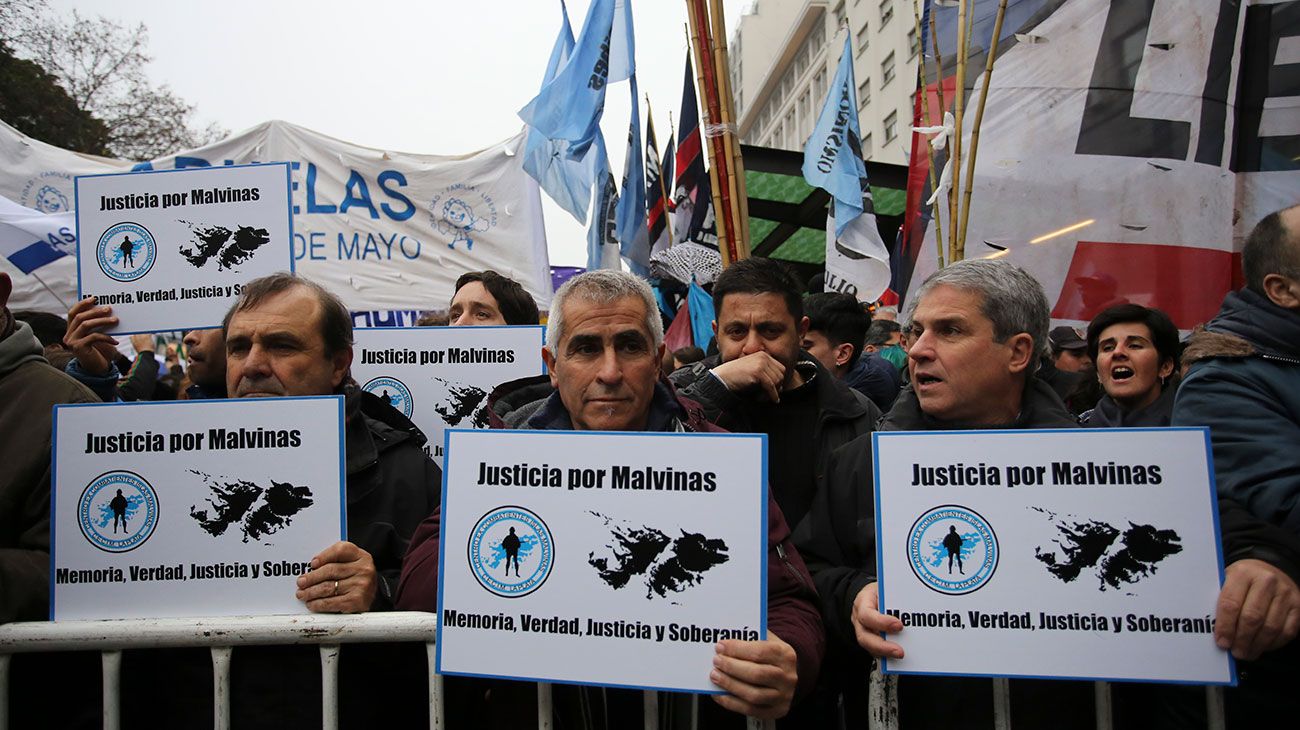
[
  {"x": 101, "y": 64},
  {"x": 33, "y": 103}
]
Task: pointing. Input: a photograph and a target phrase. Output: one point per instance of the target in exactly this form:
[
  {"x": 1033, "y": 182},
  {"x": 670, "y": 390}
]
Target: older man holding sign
[
  {"x": 604, "y": 343},
  {"x": 977, "y": 328}
]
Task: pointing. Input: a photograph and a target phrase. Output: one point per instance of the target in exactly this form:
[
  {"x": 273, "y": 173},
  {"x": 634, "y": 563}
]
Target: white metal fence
[{"x": 222, "y": 635}]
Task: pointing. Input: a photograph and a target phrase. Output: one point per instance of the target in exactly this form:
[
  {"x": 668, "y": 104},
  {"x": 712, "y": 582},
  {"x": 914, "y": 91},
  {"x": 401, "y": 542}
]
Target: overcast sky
[{"x": 442, "y": 77}]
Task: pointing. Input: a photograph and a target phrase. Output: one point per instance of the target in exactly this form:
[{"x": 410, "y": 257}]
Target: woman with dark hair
[{"x": 1135, "y": 350}]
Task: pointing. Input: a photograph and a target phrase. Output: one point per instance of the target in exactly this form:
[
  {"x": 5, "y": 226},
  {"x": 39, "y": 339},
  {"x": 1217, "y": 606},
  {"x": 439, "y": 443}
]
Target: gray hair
[
  {"x": 603, "y": 286},
  {"x": 1009, "y": 297}
]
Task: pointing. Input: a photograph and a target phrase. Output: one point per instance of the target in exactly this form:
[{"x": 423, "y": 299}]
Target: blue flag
[
  {"x": 566, "y": 179},
  {"x": 701, "y": 314},
  {"x": 832, "y": 160},
  {"x": 633, "y": 236},
  {"x": 569, "y": 107}
]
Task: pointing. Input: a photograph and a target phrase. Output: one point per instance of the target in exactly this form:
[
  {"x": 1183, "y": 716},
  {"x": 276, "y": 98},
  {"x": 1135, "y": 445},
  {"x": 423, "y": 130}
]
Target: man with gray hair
[
  {"x": 603, "y": 347},
  {"x": 977, "y": 329}
]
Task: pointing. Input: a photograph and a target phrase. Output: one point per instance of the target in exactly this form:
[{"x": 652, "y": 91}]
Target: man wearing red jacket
[{"x": 604, "y": 343}]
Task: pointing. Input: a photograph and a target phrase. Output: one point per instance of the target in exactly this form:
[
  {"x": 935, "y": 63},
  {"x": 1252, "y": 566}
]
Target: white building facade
[{"x": 783, "y": 57}]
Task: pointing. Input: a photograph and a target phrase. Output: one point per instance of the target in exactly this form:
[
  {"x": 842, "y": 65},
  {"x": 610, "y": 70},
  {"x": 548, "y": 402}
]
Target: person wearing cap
[{"x": 1069, "y": 350}]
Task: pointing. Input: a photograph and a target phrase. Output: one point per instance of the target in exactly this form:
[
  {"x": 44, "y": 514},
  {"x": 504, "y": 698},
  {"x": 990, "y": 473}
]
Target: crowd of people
[{"x": 818, "y": 374}]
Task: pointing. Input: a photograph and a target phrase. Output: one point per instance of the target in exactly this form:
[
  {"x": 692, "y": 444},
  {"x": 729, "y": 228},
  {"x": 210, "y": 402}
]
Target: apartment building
[{"x": 784, "y": 55}]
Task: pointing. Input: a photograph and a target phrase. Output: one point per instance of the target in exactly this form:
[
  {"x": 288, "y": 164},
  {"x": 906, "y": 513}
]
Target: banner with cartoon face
[
  {"x": 440, "y": 377},
  {"x": 171, "y": 250},
  {"x": 1088, "y": 554},
  {"x": 382, "y": 230},
  {"x": 617, "y": 559},
  {"x": 192, "y": 508}
]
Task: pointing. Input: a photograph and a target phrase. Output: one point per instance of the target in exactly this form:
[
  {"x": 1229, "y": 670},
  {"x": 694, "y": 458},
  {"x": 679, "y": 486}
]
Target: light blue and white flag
[
  {"x": 602, "y": 234},
  {"x": 857, "y": 261},
  {"x": 31, "y": 239},
  {"x": 633, "y": 236},
  {"x": 570, "y": 106},
  {"x": 566, "y": 175}
]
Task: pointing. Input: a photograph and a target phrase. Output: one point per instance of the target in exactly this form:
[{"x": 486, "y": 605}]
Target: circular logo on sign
[
  {"x": 953, "y": 550},
  {"x": 47, "y": 192},
  {"x": 126, "y": 251},
  {"x": 118, "y": 511},
  {"x": 461, "y": 213},
  {"x": 393, "y": 392},
  {"x": 511, "y": 551}
]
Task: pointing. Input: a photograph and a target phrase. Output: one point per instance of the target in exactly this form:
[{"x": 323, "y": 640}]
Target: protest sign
[
  {"x": 192, "y": 508},
  {"x": 440, "y": 377},
  {"x": 616, "y": 559},
  {"x": 1089, "y": 554},
  {"x": 170, "y": 250}
]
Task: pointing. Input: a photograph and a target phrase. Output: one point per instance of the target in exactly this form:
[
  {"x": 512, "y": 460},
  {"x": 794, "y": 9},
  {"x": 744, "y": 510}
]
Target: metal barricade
[
  {"x": 883, "y": 691},
  {"x": 222, "y": 635}
]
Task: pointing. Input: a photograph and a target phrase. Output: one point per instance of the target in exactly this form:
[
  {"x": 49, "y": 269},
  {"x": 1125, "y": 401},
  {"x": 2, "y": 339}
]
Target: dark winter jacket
[
  {"x": 1244, "y": 384},
  {"x": 1108, "y": 413},
  {"x": 876, "y": 378},
  {"x": 531, "y": 403},
  {"x": 838, "y": 539},
  {"x": 29, "y": 388},
  {"x": 844, "y": 413}
]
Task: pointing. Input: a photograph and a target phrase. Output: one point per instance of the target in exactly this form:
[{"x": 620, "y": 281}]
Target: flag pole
[
  {"x": 721, "y": 216},
  {"x": 924, "y": 90},
  {"x": 979, "y": 117},
  {"x": 731, "y": 145},
  {"x": 956, "y": 247},
  {"x": 663, "y": 191}
]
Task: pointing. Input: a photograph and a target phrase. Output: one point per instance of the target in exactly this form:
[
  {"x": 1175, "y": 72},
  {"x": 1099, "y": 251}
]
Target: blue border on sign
[
  {"x": 54, "y": 450},
  {"x": 539, "y": 327},
  {"x": 442, "y": 545},
  {"x": 1214, "y": 512},
  {"x": 76, "y": 183}
]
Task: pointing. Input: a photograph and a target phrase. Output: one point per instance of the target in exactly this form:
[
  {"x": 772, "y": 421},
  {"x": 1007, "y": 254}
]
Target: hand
[
  {"x": 1258, "y": 610},
  {"x": 759, "y": 676},
  {"x": 869, "y": 623},
  {"x": 142, "y": 342},
  {"x": 93, "y": 349},
  {"x": 342, "y": 579},
  {"x": 755, "y": 370}
]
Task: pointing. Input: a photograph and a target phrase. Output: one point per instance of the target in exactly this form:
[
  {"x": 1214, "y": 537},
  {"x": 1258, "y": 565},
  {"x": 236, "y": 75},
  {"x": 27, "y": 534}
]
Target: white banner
[
  {"x": 170, "y": 250},
  {"x": 616, "y": 559},
  {"x": 1087, "y": 554},
  {"x": 381, "y": 229},
  {"x": 440, "y": 377},
  {"x": 192, "y": 508}
]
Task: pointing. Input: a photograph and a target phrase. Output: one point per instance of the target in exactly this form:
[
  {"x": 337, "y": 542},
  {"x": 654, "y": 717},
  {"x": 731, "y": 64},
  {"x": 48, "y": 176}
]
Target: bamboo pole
[
  {"x": 717, "y": 170},
  {"x": 735, "y": 166},
  {"x": 979, "y": 117},
  {"x": 926, "y": 121},
  {"x": 959, "y": 103},
  {"x": 663, "y": 189}
]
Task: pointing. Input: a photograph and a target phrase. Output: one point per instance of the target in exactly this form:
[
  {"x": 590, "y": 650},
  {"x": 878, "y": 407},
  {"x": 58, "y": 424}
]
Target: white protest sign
[
  {"x": 192, "y": 508},
  {"x": 1090, "y": 554},
  {"x": 170, "y": 250},
  {"x": 616, "y": 559},
  {"x": 440, "y": 377}
]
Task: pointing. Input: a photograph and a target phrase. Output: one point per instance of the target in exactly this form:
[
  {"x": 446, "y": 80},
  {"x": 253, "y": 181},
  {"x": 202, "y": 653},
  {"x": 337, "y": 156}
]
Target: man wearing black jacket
[{"x": 976, "y": 328}]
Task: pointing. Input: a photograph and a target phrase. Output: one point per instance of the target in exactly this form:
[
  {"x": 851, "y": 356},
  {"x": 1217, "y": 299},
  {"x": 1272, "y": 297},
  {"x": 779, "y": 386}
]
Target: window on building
[
  {"x": 818, "y": 38},
  {"x": 886, "y": 11},
  {"x": 819, "y": 84},
  {"x": 864, "y": 93},
  {"x": 839, "y": 15},
  {"x": 866, "y": 146},
  {"x": 803, "y": 104},
  {"x": 912, "y": 45},
  {"x": 891, "y": 127},
  {"x": 887, "y": 70},
  {"x": 864, "y": 37}
]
